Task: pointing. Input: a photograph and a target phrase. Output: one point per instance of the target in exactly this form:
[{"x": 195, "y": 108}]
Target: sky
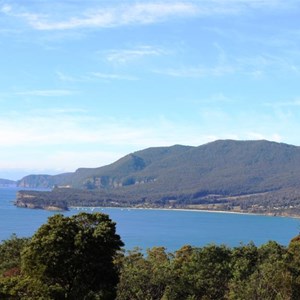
[{"x": 83, "y": 83}]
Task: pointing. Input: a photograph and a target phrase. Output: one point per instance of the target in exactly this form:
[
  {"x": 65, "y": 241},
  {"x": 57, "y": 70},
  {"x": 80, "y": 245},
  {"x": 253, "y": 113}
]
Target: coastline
[
  {"x": 138, "y": 237},
  {"x": 59, "y": 199},
  {"x": 183, "y": 209}
]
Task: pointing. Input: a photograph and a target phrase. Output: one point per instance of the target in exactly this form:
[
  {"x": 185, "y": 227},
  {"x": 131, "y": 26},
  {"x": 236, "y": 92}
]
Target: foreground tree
[
  {"x": 78, "y": 258},
  {"x": 74, "y": 257},
  {"x": 10, "y": 266},
  {"x": 192, "y": 273},
  {"x": 293, "y": 263},
  {"x": 206, "y": 273},
  {"x": 10, "y": 255},
  {"x": 144, "y": 277},
  {"x": 260, "y": 273}
]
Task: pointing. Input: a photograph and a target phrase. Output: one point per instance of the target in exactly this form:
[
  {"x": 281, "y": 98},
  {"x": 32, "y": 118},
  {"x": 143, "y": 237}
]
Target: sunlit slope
[{"x": 223, "y": 167}]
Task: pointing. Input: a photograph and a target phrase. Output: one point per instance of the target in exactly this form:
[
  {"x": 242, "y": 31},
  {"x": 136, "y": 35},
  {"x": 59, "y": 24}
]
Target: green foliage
[
  {"x": 144, "y": 278},
  {"x": 293, "y": 262},
  {"x": 269, "y": 272},
  {"x": 11, "y": 281},
  {"x": 74, "y": 256},
  {"x": 262, "y": 176},
  {"x": 10, "y": 255},
  {"x": 206, "y": 273},
  {"x": 264, "y": 273},
  {"x": 78, "y": 257},
  {"x": 193, "y": 273}
]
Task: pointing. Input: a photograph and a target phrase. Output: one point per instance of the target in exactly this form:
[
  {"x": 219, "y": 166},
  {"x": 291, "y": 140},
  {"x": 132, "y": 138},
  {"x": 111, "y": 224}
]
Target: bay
[{"x": 172, "y": 229}]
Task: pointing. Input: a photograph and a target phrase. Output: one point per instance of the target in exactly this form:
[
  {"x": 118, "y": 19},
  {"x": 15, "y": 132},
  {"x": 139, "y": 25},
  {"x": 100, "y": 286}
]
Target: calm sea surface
[{"x": 172, "y": 229}]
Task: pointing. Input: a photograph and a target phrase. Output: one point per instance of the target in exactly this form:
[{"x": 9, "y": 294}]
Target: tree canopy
[
  {"x": 79, "y": 257},
  {"x": 75, "y": 255}
]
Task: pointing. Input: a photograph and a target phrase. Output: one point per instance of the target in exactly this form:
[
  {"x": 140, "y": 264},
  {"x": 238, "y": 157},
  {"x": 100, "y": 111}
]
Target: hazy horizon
[{"x": 19, "y": 174}]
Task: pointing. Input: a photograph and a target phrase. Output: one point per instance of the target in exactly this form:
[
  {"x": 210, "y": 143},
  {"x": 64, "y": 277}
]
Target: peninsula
[{"x": 239, "y": 176}]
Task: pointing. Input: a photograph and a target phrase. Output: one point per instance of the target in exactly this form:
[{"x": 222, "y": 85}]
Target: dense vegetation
[
  {"x": 243, "y": 176},
  {"x": 79, "y": 257},
  {"x": 67, "y": 258}
]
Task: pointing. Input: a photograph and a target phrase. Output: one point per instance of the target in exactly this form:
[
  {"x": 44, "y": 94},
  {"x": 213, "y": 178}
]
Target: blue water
[{"x": 172, "y": 229}]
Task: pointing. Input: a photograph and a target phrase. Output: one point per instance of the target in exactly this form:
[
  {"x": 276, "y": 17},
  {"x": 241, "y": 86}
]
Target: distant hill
[
  {"x": 7, "y": 182},
  {"x": 216, "y": 174},
  {"x": 110, "y": 176}
]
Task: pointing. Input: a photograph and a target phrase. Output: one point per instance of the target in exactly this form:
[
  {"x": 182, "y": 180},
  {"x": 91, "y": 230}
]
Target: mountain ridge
[
  {"x": 215, "y": 159},
  {"x": 187, "y": 176}
]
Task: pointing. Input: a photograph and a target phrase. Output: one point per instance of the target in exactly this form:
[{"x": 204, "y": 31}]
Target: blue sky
[{"x": 86, "y": 82}]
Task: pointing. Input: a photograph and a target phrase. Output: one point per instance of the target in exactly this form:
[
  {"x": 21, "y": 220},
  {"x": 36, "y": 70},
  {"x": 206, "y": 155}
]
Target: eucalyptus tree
[{"x": 74, "y": 257}]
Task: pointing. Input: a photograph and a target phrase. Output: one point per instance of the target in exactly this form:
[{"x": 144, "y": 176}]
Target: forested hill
[
  {"x": 217, "y": 173},
  {"x": 224, "y": 166}
]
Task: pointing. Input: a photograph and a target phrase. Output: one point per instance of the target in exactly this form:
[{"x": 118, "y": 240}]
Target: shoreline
[{"x": 183, "y": 209}]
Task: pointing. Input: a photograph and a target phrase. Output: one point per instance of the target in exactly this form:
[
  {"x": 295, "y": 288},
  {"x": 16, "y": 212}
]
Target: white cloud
[
  {"x": 144, "y": 13},
  {"x": 6, "y": 9},
  {"x": 260, "y": 136},
  {"x": 265, "y": 63},
  {"x": 235, "y": 6},
  {"x": 70, "y": 78},
  {"x": 126, "y": 14},
  {"x": 60, "y": 161},
  {"x": 256, "y": 66},
  {"x": 47, "y": 93},
  {"x": 53, "y": 127},
  {"x": 64, "y": 140},
  {"x": 201, "y": 71},
  {"x": 122, "y": 56},
  {"x": 69, "y": 128},
  {"x": 95, "y": 76},
  {"x": 107, "y": 76},
  {"x": 283, "y": 104},
  {"x": 216, "y": 98}
]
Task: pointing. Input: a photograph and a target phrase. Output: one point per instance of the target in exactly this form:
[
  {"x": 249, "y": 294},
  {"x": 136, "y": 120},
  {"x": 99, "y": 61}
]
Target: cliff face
[
  {"x": 38, "y": 200},
  {"x": 35, "y": 181}
]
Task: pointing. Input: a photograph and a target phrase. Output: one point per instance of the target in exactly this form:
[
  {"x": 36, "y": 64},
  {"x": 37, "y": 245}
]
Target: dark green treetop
[{"x": 74, "y": 256}]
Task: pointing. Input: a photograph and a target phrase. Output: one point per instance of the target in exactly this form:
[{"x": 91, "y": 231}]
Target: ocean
[{"x": 146, "y": 228}]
